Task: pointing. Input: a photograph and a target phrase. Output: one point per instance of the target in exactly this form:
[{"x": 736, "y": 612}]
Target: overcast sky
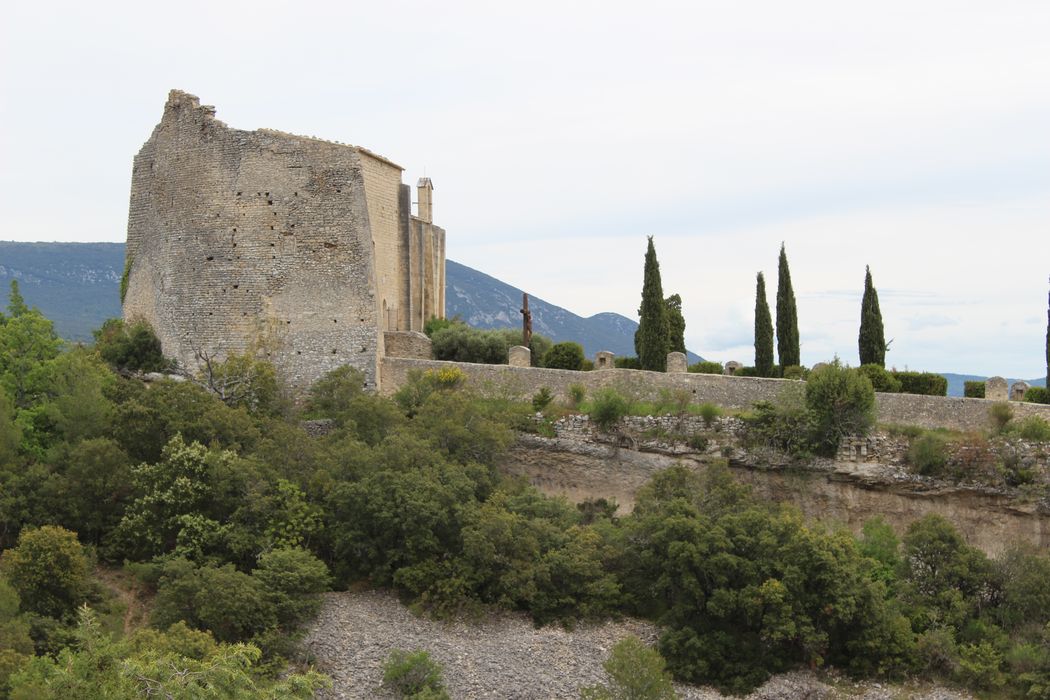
[{"x": 912, "y": 136}]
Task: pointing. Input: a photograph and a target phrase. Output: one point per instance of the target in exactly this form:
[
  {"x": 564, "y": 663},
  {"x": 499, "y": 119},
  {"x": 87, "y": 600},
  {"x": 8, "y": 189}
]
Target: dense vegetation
[
  {"x": 763, "y": 330},
  {"x": 232, "y": 520}
]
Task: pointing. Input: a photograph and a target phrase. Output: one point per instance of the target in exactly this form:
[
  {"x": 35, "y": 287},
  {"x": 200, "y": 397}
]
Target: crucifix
[{"x": 526, "y": 321}]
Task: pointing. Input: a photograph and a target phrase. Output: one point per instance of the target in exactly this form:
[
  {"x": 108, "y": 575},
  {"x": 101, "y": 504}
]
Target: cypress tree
[
  {"x": 675, "y": 323},
  {"x": 787, "y": 316},
  {"x": 652, "y": 339},
  {"x": 763, "y": 331},
  {"x": 1048, "y": 342},
  {"x": 872, "y": 340}
]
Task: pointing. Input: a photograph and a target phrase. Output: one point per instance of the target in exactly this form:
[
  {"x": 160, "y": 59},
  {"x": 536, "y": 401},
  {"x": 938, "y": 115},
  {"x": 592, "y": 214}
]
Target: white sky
[{"x": 910, "y": 136}]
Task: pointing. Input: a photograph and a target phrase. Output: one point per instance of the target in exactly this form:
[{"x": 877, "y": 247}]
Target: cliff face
[{"x": 581, "y": 463}]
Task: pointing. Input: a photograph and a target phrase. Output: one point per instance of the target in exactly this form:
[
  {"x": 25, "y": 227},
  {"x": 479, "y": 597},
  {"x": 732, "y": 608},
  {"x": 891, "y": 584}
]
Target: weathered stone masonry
[{"x": 303, "y": 250}]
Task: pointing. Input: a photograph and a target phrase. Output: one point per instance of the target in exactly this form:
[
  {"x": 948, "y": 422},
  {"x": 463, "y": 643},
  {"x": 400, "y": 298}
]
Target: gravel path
[{"x": 504, "y": 656}]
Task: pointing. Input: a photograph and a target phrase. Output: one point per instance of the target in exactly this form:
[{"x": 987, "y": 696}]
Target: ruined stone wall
[
  {"x": 730, "y": 392},
  {"x": 382, "y": 187},
  {"x": 240, "y": 239},
  {"x": 261, "y": 241}
]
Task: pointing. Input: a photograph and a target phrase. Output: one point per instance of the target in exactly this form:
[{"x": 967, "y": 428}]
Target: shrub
[
  {"x": 795, "y": 372},
  {"x": 637, "y": 673},
  {"x": 841, "y": 402},
  {"x": 134, "y": 347},
  {"x": 747, "y": 372},
  {"x": 709, "y": 411},
  {"x": 1034, "y": 428},
  {"x": 698, "y": 442},
  {"x": 1000, "y": 414},
  {"x": 576, "y": 394},
  {"x": 48, "y": 570},
  {"x": 461, "y": 343},
  {"x": 434, "y": 324},
  {"x": 881, "y": 380},
  {"x": 973, "y": 390},
  {"x": 1037, "y": 394},
  {"x": 626, "y": 363},
  {"x": 925, "y": 383},
  {"x": 608, "y": 407},
  {"x": 541, "y": 399},
  {"x": 928, "y": 454},
  {"x": 706, "y": 367},
  {"x": 413, "y": 675},
  {"x": 566, "y": 355}
]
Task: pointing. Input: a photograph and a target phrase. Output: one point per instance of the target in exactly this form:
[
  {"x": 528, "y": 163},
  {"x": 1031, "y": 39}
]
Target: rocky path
[{"x": 506, "y": 657}]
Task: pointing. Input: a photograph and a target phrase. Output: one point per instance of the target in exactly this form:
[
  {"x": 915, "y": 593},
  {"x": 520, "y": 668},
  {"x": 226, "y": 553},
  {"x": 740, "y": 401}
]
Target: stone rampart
[{"x": 727, "y": 391}]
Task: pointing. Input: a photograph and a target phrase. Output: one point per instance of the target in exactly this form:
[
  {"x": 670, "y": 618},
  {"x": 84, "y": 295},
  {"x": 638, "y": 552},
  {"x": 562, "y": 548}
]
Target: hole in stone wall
[
  {"x": 235, "y": 230},
  {"x": 333, "y": 352},
  {"x": 298, "y": 352},
  {"x": 270, "y": 202},
  {"x": 267, "y": 194},
  {"x": 296, "y": 194},
  {"x": 210, "y": 257},
  {"x": 236, "y": 286},
  {"x": 338, "y": 190},
  {"x": 364, "y": 349},
  {"x": 288, "y": 322},
  {"x": 235, "y": 245},
  {"x": 271, "y": 245},
  {"x": 238, "y": 194},
  {"x": 271, "y": 228},
  {"x": 335, "y": 320}
]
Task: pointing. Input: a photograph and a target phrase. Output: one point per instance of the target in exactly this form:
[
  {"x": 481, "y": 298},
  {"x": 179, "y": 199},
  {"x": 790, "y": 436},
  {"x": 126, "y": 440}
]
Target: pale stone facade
[
  {"x": 676, "y": 362},
  {"x": 995, "y": 388},
  {"x": 519, "y": 356},
  {"x": 302, "y": 250}
]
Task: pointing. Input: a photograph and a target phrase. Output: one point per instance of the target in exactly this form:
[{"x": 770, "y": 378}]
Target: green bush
[
  {"x": 461, "y": 343},
  {"x": 567, "y": 355},
  {"x": 706, "y": 367},
  {"x": 626, "y": 363},
  {"x": 795, "y": 372},
  {"x": 973, "y": 390},
  {"x": 928, "y": 454},
  {"x": 709, "y": 411},
  {"x": 133, "y": 347},
  {"x": 49, "y": 571},
  {"x": 841, "y": 402},
  {"x": 881, "y": 380},
  {"x": 608, "y": 407},
  {"x": 1033, "y": 428},
  {"x": 1037, "y": 394},
  {"x": 576, "y": 394},
  {"x": 1000, "y": 414},
  {"x": 434, "y": 324},
  {"x": 747, "y": 372},
  {"x": 541, "y": 399},
  {"x": 637, "y": 673},
  {"x": 413, "y": 675},
  {"x": 925, "y": 383}
]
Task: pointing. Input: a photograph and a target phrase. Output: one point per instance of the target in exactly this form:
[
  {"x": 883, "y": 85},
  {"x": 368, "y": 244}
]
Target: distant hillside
[
  {"x": 77, "y": 285},
  {"x": 485, "y": 302}
]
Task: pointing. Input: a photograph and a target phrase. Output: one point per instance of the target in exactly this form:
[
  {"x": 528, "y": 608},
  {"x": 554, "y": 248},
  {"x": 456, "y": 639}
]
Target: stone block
[
  {"x": 519, "y": 356},
  {"x": 411, "y": 344},
  {"x": 1018, "y": 390},
  {"x": 995, "y": 389},
  {"x": 731, "y": 367},
  {"x": 604, "y": 360},
  {"x": 676, "y": 363}
]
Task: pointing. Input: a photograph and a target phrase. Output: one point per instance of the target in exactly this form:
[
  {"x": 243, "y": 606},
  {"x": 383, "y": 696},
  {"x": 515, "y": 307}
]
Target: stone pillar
[
  {"x": 604, "y": 360},
  {"x": 1018, "y": 390},
  {"x": 425, "y": 195},
  {"x": 676, "y": 363},
  {"x": 519, "y": 356},
  {"x": 731, "y": 367},
  {"x": 995, "y": 389}
]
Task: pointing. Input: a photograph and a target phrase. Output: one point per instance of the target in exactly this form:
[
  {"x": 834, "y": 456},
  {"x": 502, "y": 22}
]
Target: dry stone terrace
[{"x": 954, "y": 413}]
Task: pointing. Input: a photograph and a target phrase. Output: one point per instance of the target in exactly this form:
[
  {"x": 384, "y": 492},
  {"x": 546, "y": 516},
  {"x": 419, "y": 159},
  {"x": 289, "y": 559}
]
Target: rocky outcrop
[{"x": 581, "y": 463}]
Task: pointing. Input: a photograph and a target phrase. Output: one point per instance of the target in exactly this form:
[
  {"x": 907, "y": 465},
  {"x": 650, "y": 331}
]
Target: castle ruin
[{"x": 303, "y": 251}]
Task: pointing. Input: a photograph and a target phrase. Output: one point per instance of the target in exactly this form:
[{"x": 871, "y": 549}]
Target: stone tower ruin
[{"x": 300, "y": 250}]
